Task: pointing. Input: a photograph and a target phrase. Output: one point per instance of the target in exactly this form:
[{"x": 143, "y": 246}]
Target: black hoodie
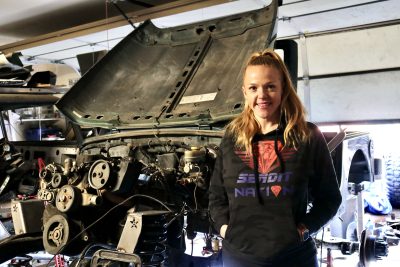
[{"x": 262, "y": 219}]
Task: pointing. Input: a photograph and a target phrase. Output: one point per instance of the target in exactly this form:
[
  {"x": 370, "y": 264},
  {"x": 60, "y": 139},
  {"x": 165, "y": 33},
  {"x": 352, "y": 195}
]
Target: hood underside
[{"x": 186, "y": 75}]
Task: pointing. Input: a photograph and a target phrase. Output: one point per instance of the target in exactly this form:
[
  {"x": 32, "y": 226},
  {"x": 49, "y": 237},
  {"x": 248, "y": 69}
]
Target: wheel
[{"x": 393, "y": 180}]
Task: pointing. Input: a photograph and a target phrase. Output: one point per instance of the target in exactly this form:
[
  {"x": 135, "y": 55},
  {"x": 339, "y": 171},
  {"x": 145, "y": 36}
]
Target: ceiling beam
[{"x": 168, "y": 9}]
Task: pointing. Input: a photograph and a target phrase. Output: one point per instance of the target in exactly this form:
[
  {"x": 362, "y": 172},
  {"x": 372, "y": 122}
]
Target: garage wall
[
  {"x": 364, "y": 97},
  {"x": 351, "y": 75}
]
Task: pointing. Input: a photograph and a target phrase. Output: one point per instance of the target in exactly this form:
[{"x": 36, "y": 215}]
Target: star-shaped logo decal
[{"x": 134, "y": 223}]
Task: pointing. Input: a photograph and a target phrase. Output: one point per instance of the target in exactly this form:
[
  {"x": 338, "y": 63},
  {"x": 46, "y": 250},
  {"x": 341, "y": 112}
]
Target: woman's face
[{"x": 262, "y": 89}]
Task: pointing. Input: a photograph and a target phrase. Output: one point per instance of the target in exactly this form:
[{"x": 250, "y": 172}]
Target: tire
[{"x": 393, "y": 179}]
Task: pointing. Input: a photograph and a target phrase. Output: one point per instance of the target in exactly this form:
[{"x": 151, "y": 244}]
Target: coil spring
[{"x": 151, "y": 246}]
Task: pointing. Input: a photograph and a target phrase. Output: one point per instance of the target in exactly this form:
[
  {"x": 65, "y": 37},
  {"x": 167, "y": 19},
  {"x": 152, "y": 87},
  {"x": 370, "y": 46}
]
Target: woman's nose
[{"x": 262, "y": 93}]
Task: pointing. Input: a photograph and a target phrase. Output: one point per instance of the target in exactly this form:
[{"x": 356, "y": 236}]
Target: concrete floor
[{"x": 340, "y": 260}]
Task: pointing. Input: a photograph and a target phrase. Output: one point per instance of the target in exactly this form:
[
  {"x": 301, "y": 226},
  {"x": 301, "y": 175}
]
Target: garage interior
[{"x": 348, "y": 71}]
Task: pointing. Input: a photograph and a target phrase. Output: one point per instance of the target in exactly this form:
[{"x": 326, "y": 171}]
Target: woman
[{"x": 271, "y": 165}]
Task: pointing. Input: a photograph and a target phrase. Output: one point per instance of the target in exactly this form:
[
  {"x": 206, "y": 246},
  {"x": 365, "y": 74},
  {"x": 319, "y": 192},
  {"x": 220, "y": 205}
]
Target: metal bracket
[
  {"x": 104, "y": 254},
  {"x": 306, "y": 74},
  {"x": 357, "y": 190},
  {"x": 131, "y": 232}
]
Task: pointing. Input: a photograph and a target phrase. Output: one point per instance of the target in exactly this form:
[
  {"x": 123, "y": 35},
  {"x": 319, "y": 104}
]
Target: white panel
[
  {"x": 369, "y": 49},
  {"x": 298, "y": 8},
  {"x": 210, "y": 12},
  {"x": 309, "y": 22},
  {"x": 374, "y": 96}
]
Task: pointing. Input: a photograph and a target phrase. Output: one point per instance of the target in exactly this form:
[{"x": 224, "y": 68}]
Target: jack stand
[
  {"x": 357, "y": 190},
  {"x": 329, "y": 258}
]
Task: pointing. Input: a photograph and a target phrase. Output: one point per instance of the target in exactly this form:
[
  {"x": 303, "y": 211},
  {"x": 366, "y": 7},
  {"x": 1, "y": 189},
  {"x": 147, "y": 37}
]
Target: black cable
[
  {"x": 141, "y": 3},
  {"x": 182, "y": 212},
  {"x": 255, "y": 170},
  {"x": 278, "y": 154},
  {"x": 191, "y": 264},
  {"x": 123, "y": 14},
  {"x": 102, "y": 217}
]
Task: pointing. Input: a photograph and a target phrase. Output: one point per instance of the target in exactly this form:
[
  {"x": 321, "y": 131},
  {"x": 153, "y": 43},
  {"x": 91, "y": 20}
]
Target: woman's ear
[{"x": 243, "y": 90}]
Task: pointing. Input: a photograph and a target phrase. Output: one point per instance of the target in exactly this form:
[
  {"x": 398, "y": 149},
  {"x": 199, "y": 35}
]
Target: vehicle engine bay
[{"x": 157, "y": 185}]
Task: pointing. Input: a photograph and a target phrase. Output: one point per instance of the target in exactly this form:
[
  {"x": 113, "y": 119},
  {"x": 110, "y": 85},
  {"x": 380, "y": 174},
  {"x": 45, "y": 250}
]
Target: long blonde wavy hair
[{"x": 245, "y": 126}]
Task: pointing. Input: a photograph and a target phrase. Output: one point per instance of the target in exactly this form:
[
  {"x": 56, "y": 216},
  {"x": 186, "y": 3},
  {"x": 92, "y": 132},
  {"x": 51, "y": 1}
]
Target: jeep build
[
  {"x": 154, "y": 109},
  {"x": 148, "y": 119}
]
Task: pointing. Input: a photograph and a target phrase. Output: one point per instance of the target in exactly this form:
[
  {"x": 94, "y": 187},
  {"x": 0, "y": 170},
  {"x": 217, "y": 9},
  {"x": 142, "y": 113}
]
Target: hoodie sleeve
[
  {"x": 218, "y": 199},
  {"x": 323, "y": 188}
]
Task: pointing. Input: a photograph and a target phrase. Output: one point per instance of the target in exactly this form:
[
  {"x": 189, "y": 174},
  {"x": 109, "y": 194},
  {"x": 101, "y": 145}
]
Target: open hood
[{"x": 186, "y": 75}]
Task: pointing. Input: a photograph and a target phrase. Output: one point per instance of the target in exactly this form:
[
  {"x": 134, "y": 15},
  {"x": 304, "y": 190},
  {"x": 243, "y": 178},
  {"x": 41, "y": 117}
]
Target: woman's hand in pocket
[{"x": 222, "y": 231}]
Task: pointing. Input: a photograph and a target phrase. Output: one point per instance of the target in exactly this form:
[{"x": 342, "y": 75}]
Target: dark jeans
[{"x": 304, "y": 255}]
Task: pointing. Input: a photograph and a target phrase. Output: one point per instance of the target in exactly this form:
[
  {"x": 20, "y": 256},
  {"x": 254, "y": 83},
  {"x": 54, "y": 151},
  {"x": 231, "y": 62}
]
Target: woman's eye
[{"x": 252, "y": 88}]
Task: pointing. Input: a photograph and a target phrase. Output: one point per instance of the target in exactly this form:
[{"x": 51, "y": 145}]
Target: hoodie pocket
[{"x": 229, "y": 228}]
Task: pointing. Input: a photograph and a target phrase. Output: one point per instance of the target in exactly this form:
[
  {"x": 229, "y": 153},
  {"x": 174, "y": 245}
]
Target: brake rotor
[{"x": 371, "y": 248}]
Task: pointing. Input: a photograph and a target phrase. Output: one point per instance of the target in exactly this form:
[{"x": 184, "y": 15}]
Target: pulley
[
  {"x": 58, "y": 180},
  {"x": 99, "y": 174},
  {"x": 59, "y": 236},
  {"x": 56, "y": 234},
  {"x": 68, "y": 199}
]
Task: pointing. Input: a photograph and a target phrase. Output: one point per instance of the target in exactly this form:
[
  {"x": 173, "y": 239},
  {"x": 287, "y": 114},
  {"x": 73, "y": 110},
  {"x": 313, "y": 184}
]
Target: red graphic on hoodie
[
  {"x": 267, "y": 158},
  {"x": 276, "y": 189}
]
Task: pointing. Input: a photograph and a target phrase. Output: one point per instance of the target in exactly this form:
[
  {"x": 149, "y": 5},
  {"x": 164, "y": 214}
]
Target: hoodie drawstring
[
  {"x": 278, "y": 154},
  {"x": 256, "y": 175}
]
